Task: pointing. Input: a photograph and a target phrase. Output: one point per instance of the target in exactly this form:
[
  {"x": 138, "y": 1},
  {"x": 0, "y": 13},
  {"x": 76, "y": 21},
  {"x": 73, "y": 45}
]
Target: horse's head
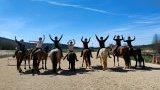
[{"x": 112, "y": 46}]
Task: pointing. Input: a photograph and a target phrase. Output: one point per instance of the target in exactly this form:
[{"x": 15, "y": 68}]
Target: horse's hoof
[
  {"x": 45, "y": 68},
  {"x": 20, "y": 71},
  {"x": 29, "y": 67},
  {"x": 24, "y": 68}
]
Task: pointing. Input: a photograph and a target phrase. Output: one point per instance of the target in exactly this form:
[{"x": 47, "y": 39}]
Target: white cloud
[{"x": 76, "y": 6}]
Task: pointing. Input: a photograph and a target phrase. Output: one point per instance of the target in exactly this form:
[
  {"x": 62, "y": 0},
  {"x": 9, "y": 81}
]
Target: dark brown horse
[
  {"x": 37, "y": 57},
  {"x": 136, "y": 53},
  {"x": 86, "y": 57},
  {"x": 71, "y": 57},
  {"x": 121, "y": 51},
  {"x": 20, "y": 57}
]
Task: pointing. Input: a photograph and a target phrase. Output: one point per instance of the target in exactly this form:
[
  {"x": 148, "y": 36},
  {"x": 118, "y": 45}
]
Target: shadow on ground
[{"x": 94, "y": 69}]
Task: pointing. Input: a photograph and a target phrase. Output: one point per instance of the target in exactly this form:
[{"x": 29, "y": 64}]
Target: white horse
[
  {"x": 55, "y": 56},
  {"x": 103, "y": 54}
]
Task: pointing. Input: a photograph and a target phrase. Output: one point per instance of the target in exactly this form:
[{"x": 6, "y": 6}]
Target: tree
[{"x": 156, "y": 42}]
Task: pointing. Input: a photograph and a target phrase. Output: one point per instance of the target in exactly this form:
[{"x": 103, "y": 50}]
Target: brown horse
[
  {"x": 86, "y": 57},
  {"x": 20, "y": 57},
  {"x": 55, "y": 56},
  {"x": 71, "y": 57},
  {"x": 121, "y": 51},
  {"x": 27, "y": 57}
]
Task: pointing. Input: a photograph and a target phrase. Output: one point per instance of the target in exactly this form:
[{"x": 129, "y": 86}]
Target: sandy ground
[{"x": 115, "y": 78}]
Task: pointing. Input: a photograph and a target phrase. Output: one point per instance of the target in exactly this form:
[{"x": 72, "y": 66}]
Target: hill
[{"x": 9, "y": 44}]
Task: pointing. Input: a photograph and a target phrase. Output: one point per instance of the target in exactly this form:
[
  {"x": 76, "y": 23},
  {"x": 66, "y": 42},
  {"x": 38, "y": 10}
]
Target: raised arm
[
  {"x": 60, "y": 37},
  {"x": 134, "y": 38},
  {"x": 97, "y": 37},
  {"x": 43, "y": 38},
  {"x": 89, "y": 39},
  {"x": 68, "y": 42},
  {"x": 114, "y": 37},
  {"x": 17, "y": 41},
  {"x": 106, "y": 38},
  {"x": 82, "y": 39},
  {"x": 51, "y": 37},
  {"x": 122, "y": 37},
  {"x": 74, "y": 42}
]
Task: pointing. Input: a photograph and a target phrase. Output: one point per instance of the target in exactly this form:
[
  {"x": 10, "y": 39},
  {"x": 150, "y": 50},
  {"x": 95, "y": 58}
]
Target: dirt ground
[{"x": 115, "y": 78}]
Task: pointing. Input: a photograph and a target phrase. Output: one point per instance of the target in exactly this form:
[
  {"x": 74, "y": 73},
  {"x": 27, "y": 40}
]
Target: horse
[
  {"x": 136, "y": 53},
  {"x": 20, "y": 57},
  {"x": 28, "y": 57},
  {"x": 86, "y": 57},
  {"x": 71, "y": 57},
  {"x": 121, "y": 51},
  {"x": 44, "y": 57},
  {"x": 103, "y": 54},
  {"x": 37, "y": 57},
  {"x": 140, "y": 58},
  {"x": 55, "y": 56}
]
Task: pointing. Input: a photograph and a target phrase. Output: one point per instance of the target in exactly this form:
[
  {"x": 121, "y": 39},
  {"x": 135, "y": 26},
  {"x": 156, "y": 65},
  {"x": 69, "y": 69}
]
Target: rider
[
  {"x": 129, "y": 41},
  {"x": 56, "y": 42},
  {"x": 71, "y": 44},
  {"x": 39, "y": 44},
  {"x": 118, "y": 41},
  {"x": 21, "y": 45},
  {"x": 101, "y": 43},
  {"x": 85, "y": 45}
]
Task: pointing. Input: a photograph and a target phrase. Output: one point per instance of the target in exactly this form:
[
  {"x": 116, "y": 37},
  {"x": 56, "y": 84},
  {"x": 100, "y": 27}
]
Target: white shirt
[
  {"x": 39, "y": 44},
  {"x": 71, "y": 47}
]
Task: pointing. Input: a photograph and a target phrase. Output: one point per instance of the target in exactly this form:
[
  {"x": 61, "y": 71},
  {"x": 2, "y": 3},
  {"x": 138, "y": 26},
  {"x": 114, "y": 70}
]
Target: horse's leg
[
  {"x": 86, "y": 63},
  {"x": 69, "y": 66},
  {"x": 46, "y": 63},
  {"x": 17, "y": 64},
  {"x": 118, "y": 60},
  {"x": 82, "y": 62},
  {"x": 42, "y": 63},
  {"x": 104, "y": 63},
  {"x": 29, "y": 63},
  {"x": 20, "y": 70},
  {"x": 24, "y": 63},
  {"x": 59, "y": 65},
  {"x": 114, "y": 59},
  {"x": 89, "y": 62}
]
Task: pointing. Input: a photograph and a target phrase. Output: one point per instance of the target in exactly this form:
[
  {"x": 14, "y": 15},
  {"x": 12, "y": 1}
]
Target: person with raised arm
[
  {"x": 56, "y": 42},
  {"x": 118, "y": 41},
  {"x": 39, "y": 44},
  {"x": 21, "y": 45},
  {"x": 129, "y": 41},
  {"x": 101, "y": 43},
  {"x": 70, "y": 44},
  {"x": 85, "y": 45}
]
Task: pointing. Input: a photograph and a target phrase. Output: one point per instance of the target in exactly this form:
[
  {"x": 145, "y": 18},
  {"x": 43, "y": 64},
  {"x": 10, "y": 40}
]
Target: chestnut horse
[
  {"x": 20, "y": 57},
  {"x": 86, "y": 57},
  {"x": 121, "y": 51}
]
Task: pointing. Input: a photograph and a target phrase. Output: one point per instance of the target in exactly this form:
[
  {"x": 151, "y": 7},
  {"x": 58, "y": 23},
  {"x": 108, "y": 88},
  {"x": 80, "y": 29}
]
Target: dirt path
[{"x": 116, "y": 78}]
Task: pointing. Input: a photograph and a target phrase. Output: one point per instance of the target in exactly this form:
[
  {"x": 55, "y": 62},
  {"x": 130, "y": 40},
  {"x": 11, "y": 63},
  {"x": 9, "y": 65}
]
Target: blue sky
[{"x": 30, "y": 19}]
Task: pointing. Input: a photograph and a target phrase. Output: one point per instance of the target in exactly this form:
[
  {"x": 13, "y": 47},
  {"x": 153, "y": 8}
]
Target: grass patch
[{"x": 4, "y": 56}]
